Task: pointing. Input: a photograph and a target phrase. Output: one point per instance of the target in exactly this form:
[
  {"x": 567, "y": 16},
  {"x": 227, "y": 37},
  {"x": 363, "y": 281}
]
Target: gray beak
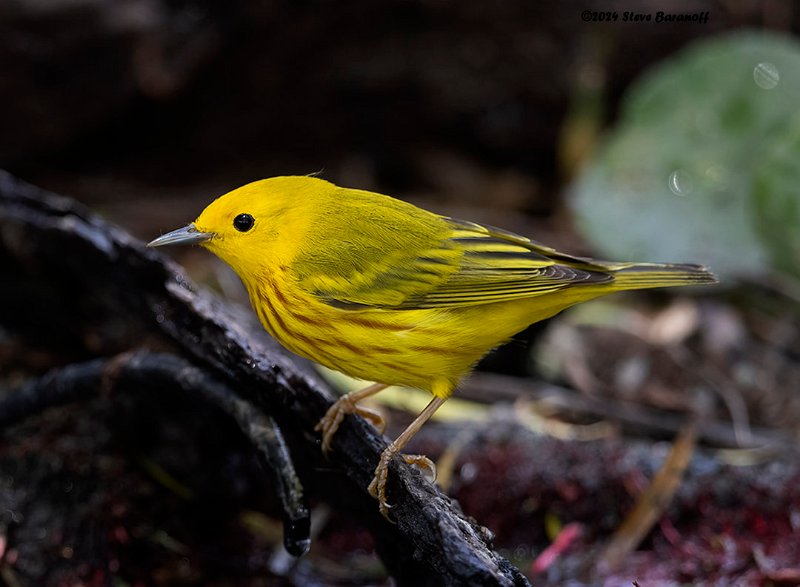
[{"x": 187, "y": 235}]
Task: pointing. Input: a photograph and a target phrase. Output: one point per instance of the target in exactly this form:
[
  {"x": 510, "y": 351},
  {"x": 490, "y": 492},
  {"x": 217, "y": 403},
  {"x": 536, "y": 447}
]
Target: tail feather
[{"x": 646, "y": 275}]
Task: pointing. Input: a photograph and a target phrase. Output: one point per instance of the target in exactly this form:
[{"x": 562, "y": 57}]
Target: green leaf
[
  {"x": 674, "y": 179},
  {"x": 776, "y": 203}
]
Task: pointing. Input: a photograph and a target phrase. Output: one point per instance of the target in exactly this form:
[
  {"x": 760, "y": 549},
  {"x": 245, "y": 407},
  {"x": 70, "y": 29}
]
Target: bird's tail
[{"x": 646, "y": 275}]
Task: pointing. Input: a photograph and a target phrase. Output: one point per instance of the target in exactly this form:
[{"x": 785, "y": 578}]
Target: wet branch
[{"x": 171, "y": 374}]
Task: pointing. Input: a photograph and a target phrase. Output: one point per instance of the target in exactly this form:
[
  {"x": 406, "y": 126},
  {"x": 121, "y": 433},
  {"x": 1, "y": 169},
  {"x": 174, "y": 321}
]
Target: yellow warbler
[{"x": 384, "y": 291}]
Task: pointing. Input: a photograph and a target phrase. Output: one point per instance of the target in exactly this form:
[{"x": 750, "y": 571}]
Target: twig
[
  {"x": 653, "y": 501},
  {"x": 490, "y": 388}
]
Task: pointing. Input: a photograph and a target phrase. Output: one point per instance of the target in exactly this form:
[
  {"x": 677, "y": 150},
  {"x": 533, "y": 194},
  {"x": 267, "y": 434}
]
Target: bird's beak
[{"x": 187, "y": 235}]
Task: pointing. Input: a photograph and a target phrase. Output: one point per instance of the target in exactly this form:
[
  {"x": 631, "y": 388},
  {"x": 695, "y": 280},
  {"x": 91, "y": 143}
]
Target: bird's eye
[{"x": 243, "y": 222}]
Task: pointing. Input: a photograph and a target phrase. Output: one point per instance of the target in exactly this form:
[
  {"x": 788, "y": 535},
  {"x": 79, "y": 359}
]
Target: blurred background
[{"x": 601, "y": 129}]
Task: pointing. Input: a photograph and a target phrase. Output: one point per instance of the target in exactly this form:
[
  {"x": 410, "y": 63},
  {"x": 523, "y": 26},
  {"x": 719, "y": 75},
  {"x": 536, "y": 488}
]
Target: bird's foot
[
  {"x": 332, "y": 419},
  {"x": 377, "y": 488},
  {"x": 423, "y": 463}
]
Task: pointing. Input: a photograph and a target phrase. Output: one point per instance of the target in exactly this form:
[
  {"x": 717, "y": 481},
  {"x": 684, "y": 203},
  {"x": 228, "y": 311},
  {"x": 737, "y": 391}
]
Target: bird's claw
[
  {"x": 332, "y": 419},
  {"x": 422, "y": 462},
  {"x": 377, "y": 488},
  {"x": 374, "y": 417}
]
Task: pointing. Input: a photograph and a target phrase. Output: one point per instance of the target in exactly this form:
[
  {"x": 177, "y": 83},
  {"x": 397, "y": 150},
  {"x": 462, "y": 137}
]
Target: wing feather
[{"x": 453, "y": 263}]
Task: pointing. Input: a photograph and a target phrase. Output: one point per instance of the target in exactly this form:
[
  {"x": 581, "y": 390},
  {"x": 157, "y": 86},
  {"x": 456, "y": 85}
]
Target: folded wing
[{"x": 458, "y": 264}]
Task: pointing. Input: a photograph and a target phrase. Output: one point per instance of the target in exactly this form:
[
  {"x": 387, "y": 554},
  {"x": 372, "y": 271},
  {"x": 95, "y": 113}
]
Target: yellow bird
[{"x": 384, "y": 291}]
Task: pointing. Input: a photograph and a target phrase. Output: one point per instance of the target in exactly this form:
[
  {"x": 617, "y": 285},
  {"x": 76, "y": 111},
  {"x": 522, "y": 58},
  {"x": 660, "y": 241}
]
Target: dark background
[{"x": 120, "y": 102}]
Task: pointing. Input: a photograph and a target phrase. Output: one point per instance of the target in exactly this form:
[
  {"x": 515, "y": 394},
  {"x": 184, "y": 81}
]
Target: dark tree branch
[
  {"x": 104, "y": 281},
  {"x": 174, "y": 374}
]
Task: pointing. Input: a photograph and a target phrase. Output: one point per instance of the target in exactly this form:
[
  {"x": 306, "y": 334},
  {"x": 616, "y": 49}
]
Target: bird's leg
[
  {"x": 378, "y": 486},
  {"x": 347, "y": 404}
]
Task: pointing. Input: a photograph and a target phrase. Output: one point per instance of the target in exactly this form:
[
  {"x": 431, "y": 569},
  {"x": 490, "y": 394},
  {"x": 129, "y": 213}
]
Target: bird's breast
[{"x": 405, "y": 347}]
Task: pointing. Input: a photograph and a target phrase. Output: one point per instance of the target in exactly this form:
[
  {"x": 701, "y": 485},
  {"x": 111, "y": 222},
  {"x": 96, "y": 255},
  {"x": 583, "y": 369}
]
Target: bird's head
[{"x": 258, "y": 221}]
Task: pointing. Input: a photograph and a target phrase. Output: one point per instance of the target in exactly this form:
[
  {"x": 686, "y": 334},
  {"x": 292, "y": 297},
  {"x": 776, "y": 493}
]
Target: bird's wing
[
  {"x": 460, "y": 264},
  {"x": 496, "y": 266}
]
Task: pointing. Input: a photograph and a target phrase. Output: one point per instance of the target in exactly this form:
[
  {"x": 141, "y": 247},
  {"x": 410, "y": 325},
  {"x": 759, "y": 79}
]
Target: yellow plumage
[{"x": 385, "y": 291}]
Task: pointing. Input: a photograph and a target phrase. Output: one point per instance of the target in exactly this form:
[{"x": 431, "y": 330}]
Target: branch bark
[
  {"x": 104, "y": 293},
  {"x": 172, "y": 374}
]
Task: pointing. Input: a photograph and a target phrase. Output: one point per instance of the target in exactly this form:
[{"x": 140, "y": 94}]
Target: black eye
[{"x": 243, "y": 222}]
